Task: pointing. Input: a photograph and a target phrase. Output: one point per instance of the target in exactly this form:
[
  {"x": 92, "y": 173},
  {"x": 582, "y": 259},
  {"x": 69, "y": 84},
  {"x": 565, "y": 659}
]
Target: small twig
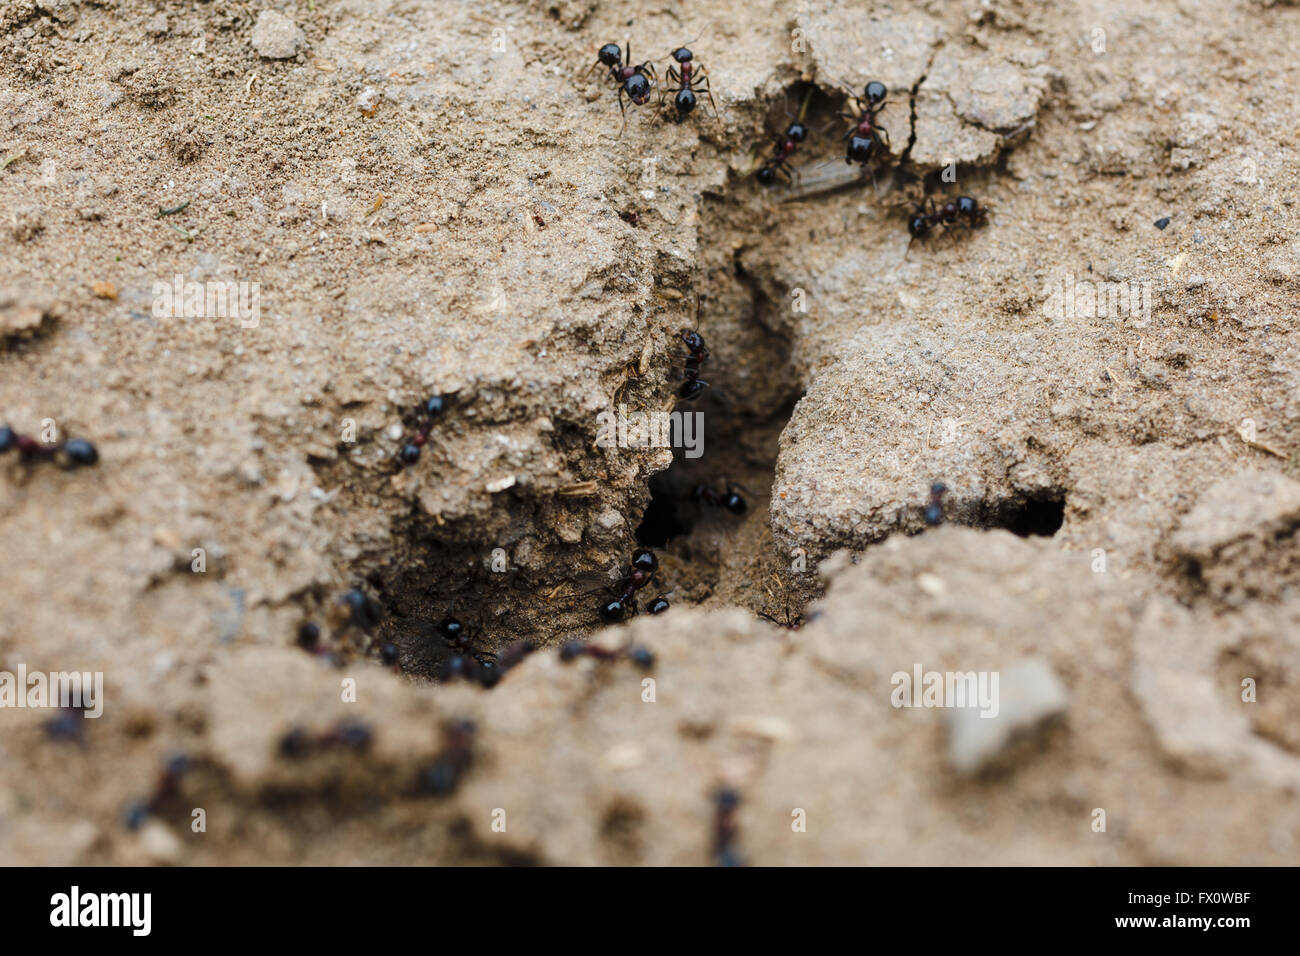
[{"x": 173, "y": 210}]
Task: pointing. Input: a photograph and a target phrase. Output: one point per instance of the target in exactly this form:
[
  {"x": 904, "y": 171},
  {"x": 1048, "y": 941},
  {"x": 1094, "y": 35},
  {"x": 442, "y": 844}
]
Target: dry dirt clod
[{"x": 276, "y": 37}]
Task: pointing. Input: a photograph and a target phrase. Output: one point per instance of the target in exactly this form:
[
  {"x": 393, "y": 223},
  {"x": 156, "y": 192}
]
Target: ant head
[
  {"x": 861, "y": 149},
  {"x": 734, "y": 503},
  {"x": 875, "y": 92},
  {"x": 693, "y": 340},
  {"x": 726, "y": 798},
  {"x": 685, "y": 100},
  {"x": 938, "y": 488},
  {"x": 612, "y": 610},
  {"x": 658, "y": 605},
  {"x": 643, "y": 559},
  {"x": 797, "y": 133},
  {"x": 434, "y": 405},
  {"x": 683, "y": 55},
  {"x": 966, "y": 205},
  {"x": 450, "y": 628},
  {"x": 637, "y": 87},
  {"x": 767, "y": 175},
  {"x": 610, "y": 54},
  {"x": 918, "y": 225}
]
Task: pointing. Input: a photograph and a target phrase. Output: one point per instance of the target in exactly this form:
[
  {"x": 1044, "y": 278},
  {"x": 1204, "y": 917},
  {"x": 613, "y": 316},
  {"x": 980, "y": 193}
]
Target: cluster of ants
[
  {"x": 866, "y": 139},
  {"x": 637, "y": 82}
]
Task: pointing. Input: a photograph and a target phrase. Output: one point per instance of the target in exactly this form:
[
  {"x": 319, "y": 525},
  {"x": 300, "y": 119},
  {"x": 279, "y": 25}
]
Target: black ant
[
  {"x": 725, "y": 802},
  {"x": 688, "y": 80},
  {"x": 169, "y": 782},
  {"x": 73, "y": 453},
  {"x": 691, "y": 385},
  {"x": 442, "y": 777},
  {"x": 786, "y": 144},
  {"x": 352, "y": 734},
  {"x": 635, "y": 82},
  {"x": 934, "y": 510},
  {"x": 643, "y": 657},
  {"x": 458, "y": 636},
  {"x": 730, "y": 499},
  {"x": 432, "y": 409},
  {"x": 482, "y": 667},
  {"x": 623, "y": 605},
  {"x": 965, "y": 211},
  {"x": 866, "y": 136}
]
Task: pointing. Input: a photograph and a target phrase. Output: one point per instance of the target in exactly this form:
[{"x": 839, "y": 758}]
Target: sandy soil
[{"x": 432, "y": 199}]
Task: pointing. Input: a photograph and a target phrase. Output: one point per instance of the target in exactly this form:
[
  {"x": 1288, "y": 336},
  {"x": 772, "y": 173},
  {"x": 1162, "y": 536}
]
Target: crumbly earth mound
[{"x": 422, "y": 200}]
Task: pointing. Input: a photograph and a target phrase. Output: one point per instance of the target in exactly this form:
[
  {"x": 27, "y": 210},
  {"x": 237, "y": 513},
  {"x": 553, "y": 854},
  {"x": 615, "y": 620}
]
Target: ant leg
[
  {"x": 702, "y": 84},
  {"x": 622, "y": 109},
  {"x": 674, "y": 78}
]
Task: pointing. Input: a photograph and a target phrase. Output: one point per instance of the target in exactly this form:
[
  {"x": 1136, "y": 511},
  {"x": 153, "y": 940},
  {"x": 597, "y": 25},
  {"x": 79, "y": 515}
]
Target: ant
[
  {"x": 73, "y": 453},
  {"x": 442, "y": 777},
  {"x": 786, "y": 144},
  {"x": 642, "y": 656},
  {"x": 688, "y": 81},
  {"x": 353, "y": 734},
  {"x": 964, "y": 211},
  {"x": 635, "y": 82},
  {"x": 725, "y": 801},
  {"x": 730, "y": 499},
  {"x": 623, "y": 605},
  {"x": 458, "y": 636},
  {"x": 691, "y": 385},
  {"x": 482, "y": 668},
  {"x": 866, "y": 135},
  {"x": 934, "y": 510},
  {"x": 432, "y": 409},
  {"x": 169, "y": 782}
]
